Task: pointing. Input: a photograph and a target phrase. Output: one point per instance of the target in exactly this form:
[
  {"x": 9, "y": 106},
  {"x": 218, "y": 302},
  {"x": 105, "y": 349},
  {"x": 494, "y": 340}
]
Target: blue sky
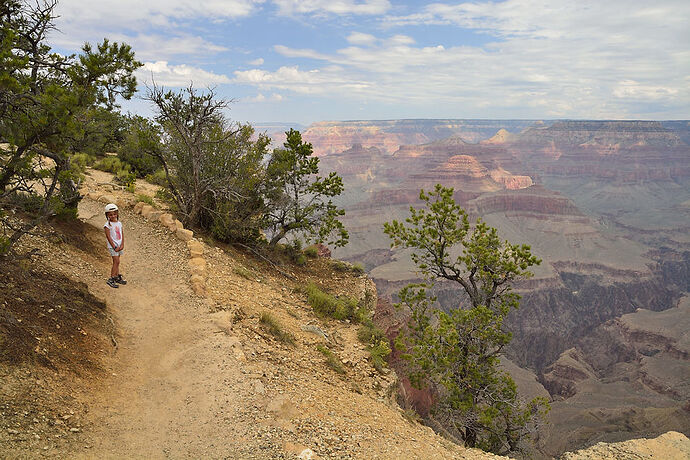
[{"x": 311, "y": 60}]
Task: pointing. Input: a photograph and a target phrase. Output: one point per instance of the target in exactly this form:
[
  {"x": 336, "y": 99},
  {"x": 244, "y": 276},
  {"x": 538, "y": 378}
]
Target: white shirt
[{"x": 115, "y": 233}]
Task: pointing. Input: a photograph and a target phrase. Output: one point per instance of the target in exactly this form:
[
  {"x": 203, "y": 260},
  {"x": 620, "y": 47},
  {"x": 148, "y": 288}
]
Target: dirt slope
[{"x": 198, "y": 377}]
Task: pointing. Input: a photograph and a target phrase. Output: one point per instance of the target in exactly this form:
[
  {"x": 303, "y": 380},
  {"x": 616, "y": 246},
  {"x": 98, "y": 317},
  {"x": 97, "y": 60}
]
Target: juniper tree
[
  {"x": 457, "y": 352},
  {"x": 298, "y": 200},
  {"x": 46, "y": 101}
]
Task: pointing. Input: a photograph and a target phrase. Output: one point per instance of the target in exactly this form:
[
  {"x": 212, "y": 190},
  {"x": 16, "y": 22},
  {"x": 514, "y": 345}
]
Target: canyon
[{"x": 606, "y": 206}]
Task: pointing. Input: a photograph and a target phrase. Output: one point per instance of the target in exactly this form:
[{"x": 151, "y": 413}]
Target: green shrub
[
  {"x": 312, "y": 252},
  {"x": 157, "y": 178},
  {"x": 244, "y": 273},
  {"x": 340, "y": 308},
  {"x": 301, "y": 260},
  {"x": 109, "y": 164},
  {"x": 30, "y": 203},
  {"x": 80, "y": 161},
  {"x": 340, "y": 266},
  {"x": 146, "y": 199},
  {"x": 358, "y": 269},
  {"x": 377, "y": 344},
  {"x": 332, "y": 360},
  {"x": 273, "y": 327},
  {"x": 125, "y": 177}
]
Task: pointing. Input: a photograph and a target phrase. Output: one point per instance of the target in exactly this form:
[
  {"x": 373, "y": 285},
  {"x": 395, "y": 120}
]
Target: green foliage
[
  {"x": 298, "y": 200},
  {"x": 340, "y": 308},
  {"x": 141, "y": 138},
  {"x": 273, "y": 326},
  {"x": 358, "y": 269},
  {"x": 244, "y": 273},
  {"x": 311, "y": 252},
  {"x": 332, "y": 360},
  {"x": 146, "y": 199},
  {"x": 457, "y": 353},
  {"x": 214, "y": 168},
  {"x": 52, "y": 106},
  {"x": 377, "y": 344},
  {"x": 340, "y": 266},
  {"x": 157, "y": 178}
]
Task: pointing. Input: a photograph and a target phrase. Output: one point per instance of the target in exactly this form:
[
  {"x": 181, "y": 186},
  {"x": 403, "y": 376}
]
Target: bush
[
  {"x": 358, "y": 269},
  {"x": 146, "y": 199},
  {"x": 109, "y": 164},
  {"x": 244, "y": 273},
  {"x": 312, "y": 252},
  {"x": 273, "y": 327},
  {"x": 80, "y": 161},
  {"x": 340, "y": 308},
  {"x": 332, "y": 360},
  {"x": 126, "y": 178},
  {"x": 377, "y": 344},
  {"x": 157, "y": 178}
]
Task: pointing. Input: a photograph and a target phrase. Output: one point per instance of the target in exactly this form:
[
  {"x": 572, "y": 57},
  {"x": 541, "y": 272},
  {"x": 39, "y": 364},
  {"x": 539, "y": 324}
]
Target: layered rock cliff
[{"x": 604, "y": 204}]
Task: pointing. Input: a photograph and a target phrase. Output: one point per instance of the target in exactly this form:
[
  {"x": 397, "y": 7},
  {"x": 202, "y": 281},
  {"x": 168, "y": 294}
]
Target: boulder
[
  {"x": 196, "y": 249},
  {"x": 196, "y": 278},
  {"x": 184, "y": 235},
  {"x": 146, "y": 210},
  {"x": 155, "y": 215},
  {"x": 197, "y": 262},
  {"x": 167, "y": 220},
  {"x": 139, "y": 206}
]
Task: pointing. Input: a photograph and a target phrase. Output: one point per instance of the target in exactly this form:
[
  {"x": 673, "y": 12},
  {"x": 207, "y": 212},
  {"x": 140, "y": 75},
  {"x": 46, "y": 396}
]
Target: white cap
[{"x": 110, "y": 207}]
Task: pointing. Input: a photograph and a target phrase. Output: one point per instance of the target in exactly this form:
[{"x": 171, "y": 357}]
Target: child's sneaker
[
  {"x": 119, "y": 279},
  {"x": 112, "y": 283}
]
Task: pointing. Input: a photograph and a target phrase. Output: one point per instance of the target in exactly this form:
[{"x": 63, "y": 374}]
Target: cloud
[
  {"x": 320, "y": 82},
  {"x": 359, "y": 38},
  {"x": 339, "y": 7},
  {"x": 258, "y": 61},
  {"x": 259, "y": 98},
  {"x": 559, "y": 58},
  {"x": 178, "y": 75}
]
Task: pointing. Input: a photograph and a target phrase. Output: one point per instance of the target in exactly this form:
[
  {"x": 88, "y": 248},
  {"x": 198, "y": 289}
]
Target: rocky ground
[
  {"x": 154, "y": 370},
  {"x": 176, "y": 375}
]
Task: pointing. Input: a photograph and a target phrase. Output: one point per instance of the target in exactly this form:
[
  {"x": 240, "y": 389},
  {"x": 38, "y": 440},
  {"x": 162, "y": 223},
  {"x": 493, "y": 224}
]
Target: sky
[{"x": 302, "y": 61}]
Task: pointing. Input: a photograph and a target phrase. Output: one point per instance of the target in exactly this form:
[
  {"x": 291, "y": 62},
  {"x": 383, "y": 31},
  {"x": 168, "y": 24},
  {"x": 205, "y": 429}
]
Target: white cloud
[
  {"x": 321, "y": 81},
  {"x": 342, "y": 7},
  {"x": 259, "y": 98},
  {"x": 178, "y": 75},
  {"x": 132, "y": 13},
  {"x": 542, "y": 58},
  {"x": 258, "y": 61},
  {"x": 359, "y": 38}
]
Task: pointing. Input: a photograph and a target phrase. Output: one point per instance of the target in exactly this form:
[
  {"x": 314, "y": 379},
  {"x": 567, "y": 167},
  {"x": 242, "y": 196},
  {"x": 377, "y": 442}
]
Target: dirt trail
[
  {"x": 171, "y": 393},
  {"x": 200, "y": 378}
]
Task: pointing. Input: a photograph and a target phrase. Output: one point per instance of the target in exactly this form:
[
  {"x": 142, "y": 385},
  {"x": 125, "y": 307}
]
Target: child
[{"x": 116, "y": 243}]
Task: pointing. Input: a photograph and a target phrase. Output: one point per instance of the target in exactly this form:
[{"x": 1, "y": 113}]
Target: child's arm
[
  {"x": 122, "y": 245},
  {"x": 107, "y": 237}
]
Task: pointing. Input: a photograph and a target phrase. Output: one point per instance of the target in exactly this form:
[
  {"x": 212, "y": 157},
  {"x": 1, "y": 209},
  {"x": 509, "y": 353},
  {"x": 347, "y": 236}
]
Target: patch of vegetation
[
  {"x": 146, "y": 199},
  {"x": 377, "y": 344},
  {"x": 332, "y": 360},
  {"x": 311, "y": 252},
  {"x": 358, "y": 269},
  {"x": 244, "y": 273},
  {"x": 340, "y": 266},
  {"x": 157, "y": 178},
  {"x": 273, "y": 327},
  {"x": 327, "y": 305}
]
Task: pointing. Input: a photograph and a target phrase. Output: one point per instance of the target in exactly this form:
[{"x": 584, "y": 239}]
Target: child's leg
[{"x": 116, "y": 267}]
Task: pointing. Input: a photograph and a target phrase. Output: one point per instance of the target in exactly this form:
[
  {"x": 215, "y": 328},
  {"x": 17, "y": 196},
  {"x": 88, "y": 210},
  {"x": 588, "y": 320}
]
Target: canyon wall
[{"x": 605, "y": 205}]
